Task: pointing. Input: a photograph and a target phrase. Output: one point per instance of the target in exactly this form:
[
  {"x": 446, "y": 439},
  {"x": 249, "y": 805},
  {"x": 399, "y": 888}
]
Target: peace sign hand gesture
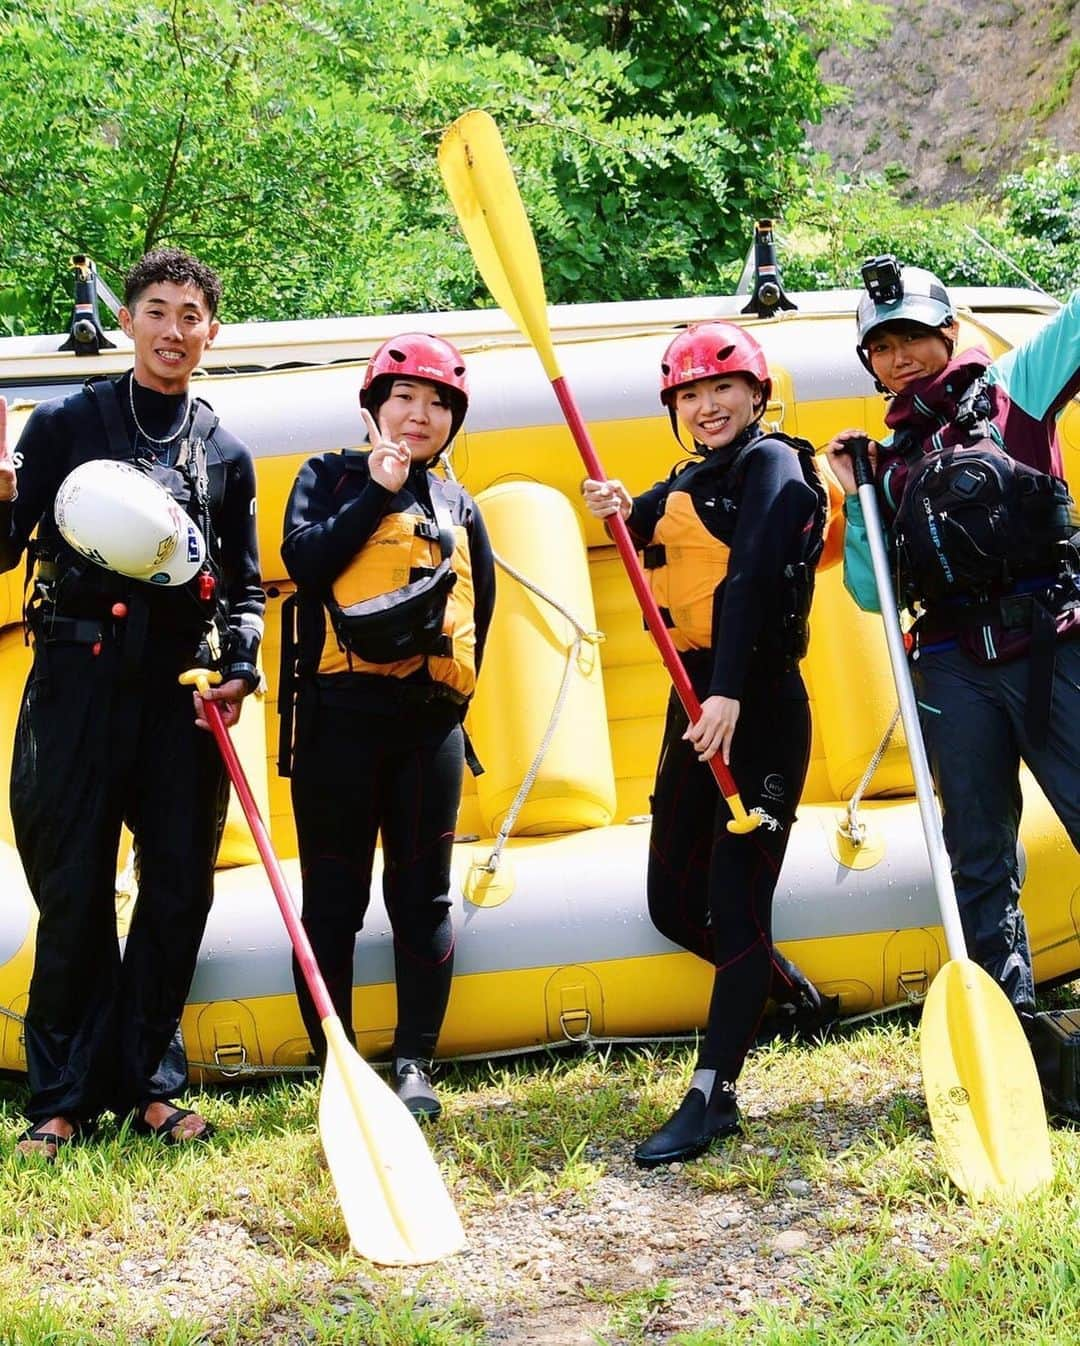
[
  {"x": 7, "y": 466},
  {"x": 389, "y": 462}
]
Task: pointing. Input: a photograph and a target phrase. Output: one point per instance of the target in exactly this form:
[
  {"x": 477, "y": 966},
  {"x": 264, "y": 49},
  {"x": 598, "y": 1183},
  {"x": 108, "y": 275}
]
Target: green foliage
[
  {"x": 1032, "y": 234},
  {"x": 293, "y": 146},
  {"x": 129, "y": 124},
  {"x": 701, "y": 132},
  {"x": 1058, "y": 95}
]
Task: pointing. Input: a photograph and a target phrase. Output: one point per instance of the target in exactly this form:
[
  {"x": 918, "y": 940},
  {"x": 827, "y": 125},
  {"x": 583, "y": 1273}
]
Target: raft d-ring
[
  {"x": 853, "y": 830},
  {"x": 238, "y": 1061},
  {"x": 854, "y": 843},
  {"x": 583, "y": 1017},
  {"x": 588, "y": 645},
  {"x": 488, "y": 882}
]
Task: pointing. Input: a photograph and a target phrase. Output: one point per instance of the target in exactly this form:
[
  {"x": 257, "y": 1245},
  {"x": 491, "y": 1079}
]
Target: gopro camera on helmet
[{"x": 881, "y": 276}]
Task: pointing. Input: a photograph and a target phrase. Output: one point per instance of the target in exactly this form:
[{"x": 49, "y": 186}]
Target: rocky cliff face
[{"x": 951, "y": 98}]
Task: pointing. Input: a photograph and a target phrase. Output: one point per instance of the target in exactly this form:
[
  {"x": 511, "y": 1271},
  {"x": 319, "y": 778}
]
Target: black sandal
[
  {"x": 166, "y": 1131},
  {"x": 38, "y": 1140}
]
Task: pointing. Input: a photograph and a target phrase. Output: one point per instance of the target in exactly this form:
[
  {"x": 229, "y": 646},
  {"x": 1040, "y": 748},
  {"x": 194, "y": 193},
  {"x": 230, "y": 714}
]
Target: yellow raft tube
[{"x": 554, "y": 941}]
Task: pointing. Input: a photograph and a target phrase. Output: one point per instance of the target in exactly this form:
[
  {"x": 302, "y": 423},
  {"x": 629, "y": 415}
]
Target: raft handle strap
[
  {"x": 582, "y": 636},
  {"x": 852, "y": 828}
]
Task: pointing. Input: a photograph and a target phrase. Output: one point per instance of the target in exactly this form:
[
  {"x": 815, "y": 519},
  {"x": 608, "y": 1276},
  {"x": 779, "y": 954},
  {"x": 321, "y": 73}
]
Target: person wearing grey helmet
[{"x": 984, "y": 537}]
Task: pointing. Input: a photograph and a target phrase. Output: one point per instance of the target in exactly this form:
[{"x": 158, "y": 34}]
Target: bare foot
[
  {"x": 175, "y": 1125},
  {"x": 46, "y": 1138}
]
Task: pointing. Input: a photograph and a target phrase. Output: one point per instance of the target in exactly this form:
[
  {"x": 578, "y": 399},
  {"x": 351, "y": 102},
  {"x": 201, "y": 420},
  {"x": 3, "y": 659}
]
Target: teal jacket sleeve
[
  {"x": 858, "y": 567},
  {"x": 1043, "y": 373}
]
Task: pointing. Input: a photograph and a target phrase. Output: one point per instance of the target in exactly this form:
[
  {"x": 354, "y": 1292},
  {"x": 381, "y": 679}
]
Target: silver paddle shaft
[{"x": 940, "y": 868}]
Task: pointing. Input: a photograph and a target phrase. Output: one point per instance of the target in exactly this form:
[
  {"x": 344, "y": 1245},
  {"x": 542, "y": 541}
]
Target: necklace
[{"x": 150, "y": 439}]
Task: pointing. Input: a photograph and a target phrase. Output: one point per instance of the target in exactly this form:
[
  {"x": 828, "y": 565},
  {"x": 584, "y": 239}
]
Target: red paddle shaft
[
  {"x": 649, "y": 608},
  {"x": 297, "y": 934}
]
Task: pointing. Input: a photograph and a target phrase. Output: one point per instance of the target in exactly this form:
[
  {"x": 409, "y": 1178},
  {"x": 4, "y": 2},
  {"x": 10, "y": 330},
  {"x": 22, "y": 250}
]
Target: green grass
[
  {"x": 127, "y": 1242},
  {"x": 1061, "y": 91}
]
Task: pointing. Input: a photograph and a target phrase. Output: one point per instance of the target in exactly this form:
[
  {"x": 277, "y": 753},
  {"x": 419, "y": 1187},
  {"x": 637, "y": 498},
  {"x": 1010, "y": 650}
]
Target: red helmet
[
  {"x": 419, "y": 356},
  {"x": 707, "y": 350}
]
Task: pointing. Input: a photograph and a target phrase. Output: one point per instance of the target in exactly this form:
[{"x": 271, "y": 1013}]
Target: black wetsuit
[
  {"x": 710, "y": 890},
  {"x": 106, "y": 735},
  {"x": 374, "y": 754}
]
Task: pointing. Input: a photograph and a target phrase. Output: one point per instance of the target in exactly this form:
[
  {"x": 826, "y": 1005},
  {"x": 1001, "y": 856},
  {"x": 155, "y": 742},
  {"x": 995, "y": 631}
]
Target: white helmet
[{"x": 120, "y": 518}]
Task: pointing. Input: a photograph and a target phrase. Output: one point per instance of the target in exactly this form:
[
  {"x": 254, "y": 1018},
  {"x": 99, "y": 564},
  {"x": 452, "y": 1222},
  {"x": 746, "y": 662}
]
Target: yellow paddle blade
[
  {"x": 396, "y": 1206},
  {"x": 484, "y": 193},
  {"x": 982, "y": 1089}
]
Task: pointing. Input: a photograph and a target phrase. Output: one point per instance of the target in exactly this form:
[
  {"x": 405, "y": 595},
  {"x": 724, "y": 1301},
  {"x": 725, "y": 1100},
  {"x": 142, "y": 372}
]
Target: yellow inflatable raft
[{"x": 554, "y": 941}]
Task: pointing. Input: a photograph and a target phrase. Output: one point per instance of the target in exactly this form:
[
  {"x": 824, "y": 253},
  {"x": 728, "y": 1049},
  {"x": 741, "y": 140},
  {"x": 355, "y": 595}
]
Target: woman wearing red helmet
[
  {"x": 395, "y": 589},
  {"x": 730, "y": 542}
]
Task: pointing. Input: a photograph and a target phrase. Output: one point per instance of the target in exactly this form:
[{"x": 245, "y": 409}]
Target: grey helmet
[{"x": 922, "y": 299}]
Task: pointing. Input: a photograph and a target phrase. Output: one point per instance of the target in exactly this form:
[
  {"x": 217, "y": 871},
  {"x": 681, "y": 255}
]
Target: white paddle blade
[
  {"x": 982, "y": 1088},
  {"x": 392, "y": 1196}
]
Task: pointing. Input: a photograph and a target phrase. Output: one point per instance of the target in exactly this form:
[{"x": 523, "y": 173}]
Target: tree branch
[{"x": 156, "y": 219}]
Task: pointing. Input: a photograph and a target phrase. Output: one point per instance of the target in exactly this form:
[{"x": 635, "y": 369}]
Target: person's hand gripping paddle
[
  {"x": 396, "y": 1206},
  {"x": 481, "y": 186},
  {"x": 982, "y": 1088}
]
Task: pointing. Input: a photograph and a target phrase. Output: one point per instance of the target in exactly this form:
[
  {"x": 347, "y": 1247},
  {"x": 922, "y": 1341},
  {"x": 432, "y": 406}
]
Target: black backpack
[{"x": 973, "y": 520}]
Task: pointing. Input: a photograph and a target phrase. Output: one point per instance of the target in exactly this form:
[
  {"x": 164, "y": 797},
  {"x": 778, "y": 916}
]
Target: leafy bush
[
  {"x": 293, "y": 146},
  {"x": 1031, "y": 234}
]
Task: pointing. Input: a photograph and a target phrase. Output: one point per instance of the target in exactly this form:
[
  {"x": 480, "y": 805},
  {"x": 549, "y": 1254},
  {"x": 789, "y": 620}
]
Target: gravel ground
[
  {"x": 555, "y": 1270},
  {"x": 540, "y": 1272}
]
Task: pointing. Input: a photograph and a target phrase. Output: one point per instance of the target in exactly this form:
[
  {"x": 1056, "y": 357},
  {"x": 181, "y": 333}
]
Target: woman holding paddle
[
  {"x": 395, "y": 590},
  {"x": 974, "y": 451},
  {"x": 730, "y": 543}
]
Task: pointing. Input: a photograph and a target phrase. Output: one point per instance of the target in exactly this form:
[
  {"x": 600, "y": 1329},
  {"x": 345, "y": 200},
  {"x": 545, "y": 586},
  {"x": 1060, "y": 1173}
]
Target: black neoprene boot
[
  {"x": 800, "y": 1012},
  {"x": 412, "y": 1084},
  {"x": 807, "y": 1019},
  {"x": 692, "y": 1128}
]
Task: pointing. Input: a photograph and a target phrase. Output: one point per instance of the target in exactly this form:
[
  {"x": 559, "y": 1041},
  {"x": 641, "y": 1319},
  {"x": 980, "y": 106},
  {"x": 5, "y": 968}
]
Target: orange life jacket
[
  {"x": 400, "y": 546},
  {"x": 685, "y": 563},
  {"x": 694, "y": 564}
]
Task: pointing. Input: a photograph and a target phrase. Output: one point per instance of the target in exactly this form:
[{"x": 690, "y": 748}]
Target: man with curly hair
[{"x": 103, "y": 712}]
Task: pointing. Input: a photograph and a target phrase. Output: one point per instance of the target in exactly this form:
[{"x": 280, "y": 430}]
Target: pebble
[{"x": 790, "y": 1241}]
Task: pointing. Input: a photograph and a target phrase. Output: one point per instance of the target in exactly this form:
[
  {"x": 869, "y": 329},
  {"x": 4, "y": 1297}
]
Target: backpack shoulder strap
[
  {"x": 792, "y": 441},
  {"x": 204, "y": 420},
  {"x": 811, "y": 475},
  {"x": 441, "y": 509},
  {"x": 192, "y": 462},
  {"x": 102, "y": 392}
]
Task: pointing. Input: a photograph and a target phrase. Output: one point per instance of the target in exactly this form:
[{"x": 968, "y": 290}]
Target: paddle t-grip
[{"x": 859, "y": 448}]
